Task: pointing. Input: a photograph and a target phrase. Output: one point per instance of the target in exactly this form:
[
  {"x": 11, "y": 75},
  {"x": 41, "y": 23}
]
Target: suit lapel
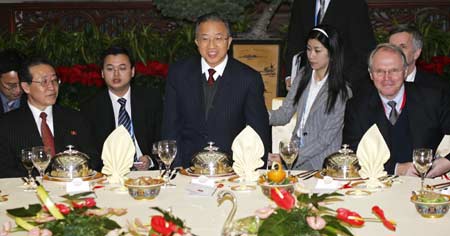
[
  {"x": 320, "y": 98},
  {"x": 107, "y": 115},
  {"x": 138, "y": 117},
  {"x": 29, "y": 124},
  {"x": 377, "y": 116},
  {"x": 58, "y": 129},
  {"x": 415, "y": 115}
]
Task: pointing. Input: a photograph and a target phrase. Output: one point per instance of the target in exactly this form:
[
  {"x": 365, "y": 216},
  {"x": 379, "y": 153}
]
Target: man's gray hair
[
  {"x": 211, "y": 17},
  {"x": 388, "y": 47},
  {"x": 417, "y": 37}
]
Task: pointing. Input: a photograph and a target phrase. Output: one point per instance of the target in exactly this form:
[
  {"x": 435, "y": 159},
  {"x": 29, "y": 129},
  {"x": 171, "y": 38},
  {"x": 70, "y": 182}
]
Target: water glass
[
  {"x": 422, "y": 160},
  {"x": 41, "y": 159},
  {"x": 167, "y": 150},
  {"x": 26, "y": 158},
  {"x": 289, "y": 151}
]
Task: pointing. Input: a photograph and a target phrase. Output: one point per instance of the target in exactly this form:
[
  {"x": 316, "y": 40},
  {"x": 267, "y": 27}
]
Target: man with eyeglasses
[
  {"x": 40, "y": 122},
  {"x": 408, "y": 116},
  {"x": 136, "y": 108},
  {"x": 212, "y": 97},
  {"x": 11, "y": 95}
]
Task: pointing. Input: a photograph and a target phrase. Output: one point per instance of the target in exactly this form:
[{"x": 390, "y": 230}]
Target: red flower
[
  {"x": 88, "y": 202},
  {"x": 63, "y": 208},
  {"x": 380, "y": 214},
  {"x": 349, "y": 217},
  {"x": 160, "y": 225},
  {"x": 282, "y": 198}
]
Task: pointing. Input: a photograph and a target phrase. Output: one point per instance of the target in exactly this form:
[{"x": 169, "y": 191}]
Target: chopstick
[
  {"x": 441, "y": 185},
  {"x": 306, "y": 173}
]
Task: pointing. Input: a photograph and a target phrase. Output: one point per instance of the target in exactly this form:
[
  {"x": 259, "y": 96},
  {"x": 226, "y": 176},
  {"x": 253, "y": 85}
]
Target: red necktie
[
  {"x": 211, "y": 78},
  {"x": 47, "y": 137}
]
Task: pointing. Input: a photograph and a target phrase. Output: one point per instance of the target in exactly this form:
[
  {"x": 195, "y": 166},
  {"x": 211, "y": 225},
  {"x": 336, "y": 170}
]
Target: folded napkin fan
[
  {"x": 372, "y": 153},
  {"x": 444, "y": 147},
  {"x": 248, "y": 150},
  {"x": 117, "y": 155}
]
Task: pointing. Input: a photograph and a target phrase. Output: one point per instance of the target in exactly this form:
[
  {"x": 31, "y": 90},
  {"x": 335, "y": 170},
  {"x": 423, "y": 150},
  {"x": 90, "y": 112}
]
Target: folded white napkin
[
  {"x": 118, "y": 155},
  {"x": 247, "y": 150},
  {"x": 372, "y": 154},
  {"x": 444, "y": 147}
]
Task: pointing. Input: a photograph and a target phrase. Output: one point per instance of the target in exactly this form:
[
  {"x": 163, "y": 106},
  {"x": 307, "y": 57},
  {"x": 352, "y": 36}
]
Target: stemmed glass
[
  {"x": 26, "y": 158},
  {"x": 289, "y": 152},
  {"x": 41, "y": 159},
  {"x": 422, "y": 160},
  {"x": 167, "y": 150},
  {"x": 155, "y": 152}
]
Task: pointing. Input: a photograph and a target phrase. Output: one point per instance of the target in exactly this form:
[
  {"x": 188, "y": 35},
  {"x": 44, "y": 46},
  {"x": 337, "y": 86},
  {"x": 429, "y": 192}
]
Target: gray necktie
[
  {"x": 393, "y": 116},
  {"x": 321, "y": 11}
]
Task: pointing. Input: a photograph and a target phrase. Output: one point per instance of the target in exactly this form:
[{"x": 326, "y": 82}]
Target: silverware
[
  {"x": 310, "y": 176},
  {"x": 306, "y": 173},
  {"x": 439, "y": 186},
  {"x": 174, "y": 172}
]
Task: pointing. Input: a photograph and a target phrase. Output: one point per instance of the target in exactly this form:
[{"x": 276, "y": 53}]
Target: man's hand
[
  {"x": 406, "y": 169},
  {"x": 145, "y": 163},
  {"x": 288, "y": 83},
  {"x": 440, "y": 166}
]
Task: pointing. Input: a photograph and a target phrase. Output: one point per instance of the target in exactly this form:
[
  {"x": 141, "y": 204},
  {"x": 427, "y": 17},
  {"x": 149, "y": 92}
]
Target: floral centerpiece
[
  {"x": 308, "y": 215},
  {"x": 77, "y": 215}
]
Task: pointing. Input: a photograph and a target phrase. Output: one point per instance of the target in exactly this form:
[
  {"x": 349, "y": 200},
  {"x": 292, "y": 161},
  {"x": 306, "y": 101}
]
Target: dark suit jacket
[
  {"x": 428, "y": 114},
  {"x": 429, "y": 80},
  {"x": 19, "y": 131},
  {"x": 23, "y": 100},
  {"x": 239, "y": 101},
  {"x": 350, "y": 18},
  {"x": 146, "y": 112}
]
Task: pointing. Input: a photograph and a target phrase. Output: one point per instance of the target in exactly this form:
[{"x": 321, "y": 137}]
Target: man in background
[
  {"x": 137, "y": 109},
  {"x": 410, "y": 40},
  {"x": 212, "y": 97},
  {"x": 11, "y": 95}
]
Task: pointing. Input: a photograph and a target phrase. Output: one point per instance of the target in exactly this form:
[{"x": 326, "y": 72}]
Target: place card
[
  {"x": 201, "y": 186},
  {"x": 327, "y": 184},
  {"x": 77, "y": 185}
]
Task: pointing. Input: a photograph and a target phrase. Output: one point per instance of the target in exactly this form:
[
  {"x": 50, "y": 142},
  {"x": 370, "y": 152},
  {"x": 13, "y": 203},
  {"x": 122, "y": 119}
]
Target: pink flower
[
  {"x": 264, "y": 212},
  {"x": 316, "y": 222},
  {"x": 39, "y": 232},
  {"x": 6, "y": 228}
]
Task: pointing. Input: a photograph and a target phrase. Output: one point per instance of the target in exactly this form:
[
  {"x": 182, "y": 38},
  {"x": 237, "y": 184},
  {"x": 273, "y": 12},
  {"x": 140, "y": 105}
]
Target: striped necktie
[
  {"x": 46, "y": 134},
  {"x": 393, "y": 116},
  {"x": 124, "y": 119}
]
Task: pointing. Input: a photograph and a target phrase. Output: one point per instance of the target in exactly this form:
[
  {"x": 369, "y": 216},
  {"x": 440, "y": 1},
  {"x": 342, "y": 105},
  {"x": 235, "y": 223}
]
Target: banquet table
[{"x": 203, "y": 215}]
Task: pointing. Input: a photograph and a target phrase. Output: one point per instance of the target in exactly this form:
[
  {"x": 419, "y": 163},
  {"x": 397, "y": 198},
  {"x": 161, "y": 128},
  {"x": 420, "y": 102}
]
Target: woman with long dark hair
[{"x": 318, "y": 95}]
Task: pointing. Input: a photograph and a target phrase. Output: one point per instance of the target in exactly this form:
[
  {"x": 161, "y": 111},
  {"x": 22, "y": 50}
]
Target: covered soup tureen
[
  {"x": 70, "y": 164},
  {"x": 342, "y": 164},
  {"x": 211, "y": 162}
]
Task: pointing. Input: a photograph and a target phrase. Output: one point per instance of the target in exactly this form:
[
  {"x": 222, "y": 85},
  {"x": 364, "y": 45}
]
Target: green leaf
[
  {"x": 31, "y": 211},
  {"x": 77, "y": 196}
]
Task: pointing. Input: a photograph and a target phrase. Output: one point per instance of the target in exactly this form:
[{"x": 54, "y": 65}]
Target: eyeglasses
[
  {"x": 391, "y": 72},
  {"x": 10, "y": 86},
  {"x": 46, "y": 82},
  {"x": 217, "y": 40}
]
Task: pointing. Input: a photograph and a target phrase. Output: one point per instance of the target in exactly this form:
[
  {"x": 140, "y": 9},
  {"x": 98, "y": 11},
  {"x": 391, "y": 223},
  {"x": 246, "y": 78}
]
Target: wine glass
[
  {"x": 289, "y": 152},
  {"x": 422, "y": 160},
  {"x": 155, "y": 152},
  {"x": 26, "y": 158},
  {"x": 167, "y": 150},
  {"x": 41, "y": 159}
]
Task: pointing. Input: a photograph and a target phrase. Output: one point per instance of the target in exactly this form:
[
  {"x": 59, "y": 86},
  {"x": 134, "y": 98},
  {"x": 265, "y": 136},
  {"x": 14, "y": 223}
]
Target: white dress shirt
[
  {"x": 219, "y": 68},
  {"x": 398, "y": 99},
  {"x": 36, "y": 115}
]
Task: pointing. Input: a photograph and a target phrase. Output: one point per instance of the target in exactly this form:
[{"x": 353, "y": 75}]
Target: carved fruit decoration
[{"x": 276, "y": 174}]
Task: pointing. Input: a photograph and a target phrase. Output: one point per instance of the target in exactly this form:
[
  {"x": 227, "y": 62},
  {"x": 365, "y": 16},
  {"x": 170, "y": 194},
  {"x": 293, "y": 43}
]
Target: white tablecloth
[{"x": 205, "y": 218}]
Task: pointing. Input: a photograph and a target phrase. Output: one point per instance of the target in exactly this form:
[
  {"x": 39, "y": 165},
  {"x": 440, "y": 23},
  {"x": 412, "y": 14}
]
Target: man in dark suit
[
  {"x": 11, "y": 95},
  {"x": 142, "y": 106},
  {"x": 350, "y": 17},
  {"x": 408, "y": 116},
  {"x": 410, "y": 40},
  {"x": 39, "y": 122},
  {"x": 212, "y": 97}
]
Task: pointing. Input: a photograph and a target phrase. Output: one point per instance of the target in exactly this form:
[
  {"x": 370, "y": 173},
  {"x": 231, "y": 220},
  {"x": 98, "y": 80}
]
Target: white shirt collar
[
  {"x": 36, "y": 115},
  {"x": 318, "y": 83},
  {"x": 398, "y": 99},
  {"x": 412, "y": 76},
  {"x": 219, "y": 68}
]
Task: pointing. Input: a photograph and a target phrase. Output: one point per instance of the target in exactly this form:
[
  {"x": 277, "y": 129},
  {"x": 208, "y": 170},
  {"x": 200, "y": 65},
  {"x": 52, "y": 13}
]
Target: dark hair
[
  {"x": 10, "y": 60},
  {"x": 116, "y": 50},
  {"x": 24, "y": 71},
  {"x": 331, "y": 40},
  {"x": 211, "y": 17},
  {"x": 417, "y": 37}
]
